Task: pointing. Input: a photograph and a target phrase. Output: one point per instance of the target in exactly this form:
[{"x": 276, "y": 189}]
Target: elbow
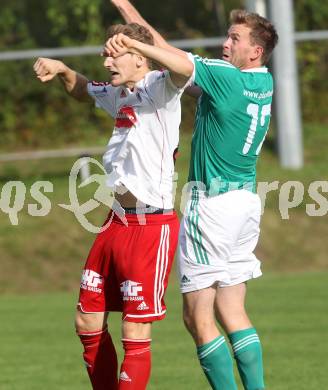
[
  {"x": 79, "y": 91},
  {"x": 189, "y": 69}
]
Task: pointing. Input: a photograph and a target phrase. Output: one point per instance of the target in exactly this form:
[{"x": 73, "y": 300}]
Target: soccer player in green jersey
[{"x": 220, "y": 228}]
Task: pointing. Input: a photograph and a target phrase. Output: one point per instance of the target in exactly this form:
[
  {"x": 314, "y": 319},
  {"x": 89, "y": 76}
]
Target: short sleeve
[
  {"x": 213, "y": 76},
  {"x": 104, "y": 95},
  {"x": 161, "y": 88}
]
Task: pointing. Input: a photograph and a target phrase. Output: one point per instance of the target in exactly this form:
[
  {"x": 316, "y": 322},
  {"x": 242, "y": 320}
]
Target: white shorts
[{"x": 217, "y": 238}]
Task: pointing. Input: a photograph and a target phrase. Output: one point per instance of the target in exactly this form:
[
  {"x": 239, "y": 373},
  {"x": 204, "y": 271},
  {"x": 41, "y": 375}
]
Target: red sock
[
  {"x": 100, "y": 359},
  {"x": 136, "y": 366}
]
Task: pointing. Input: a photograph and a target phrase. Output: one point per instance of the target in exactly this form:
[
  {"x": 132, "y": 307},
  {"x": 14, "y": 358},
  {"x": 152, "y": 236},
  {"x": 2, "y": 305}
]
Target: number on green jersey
[{"x": 256, "y": 111}]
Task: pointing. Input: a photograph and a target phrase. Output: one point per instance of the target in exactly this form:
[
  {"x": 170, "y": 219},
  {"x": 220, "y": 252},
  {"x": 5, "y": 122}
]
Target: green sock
[
  {"x": 217, "y": 364},
  {"x": 247, "y": 350}
]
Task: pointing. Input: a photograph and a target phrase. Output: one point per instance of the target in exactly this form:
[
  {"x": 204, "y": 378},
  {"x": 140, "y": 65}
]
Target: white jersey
[{"x": 140, "y": 153}]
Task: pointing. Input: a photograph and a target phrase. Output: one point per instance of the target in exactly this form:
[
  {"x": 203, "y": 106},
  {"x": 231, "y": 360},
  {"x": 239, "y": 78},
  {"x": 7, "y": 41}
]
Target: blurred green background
[{"x": 41, "y": 258}]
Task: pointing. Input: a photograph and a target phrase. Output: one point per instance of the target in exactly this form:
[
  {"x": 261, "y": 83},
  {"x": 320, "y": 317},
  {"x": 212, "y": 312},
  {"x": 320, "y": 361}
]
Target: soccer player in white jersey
[
  {"x": 128, "y": 266},
  {"x": 220, "y": 227}
]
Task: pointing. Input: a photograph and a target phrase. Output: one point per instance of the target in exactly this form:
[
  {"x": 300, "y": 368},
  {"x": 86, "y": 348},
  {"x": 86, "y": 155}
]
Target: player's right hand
[{"x": 46, "y": 69}]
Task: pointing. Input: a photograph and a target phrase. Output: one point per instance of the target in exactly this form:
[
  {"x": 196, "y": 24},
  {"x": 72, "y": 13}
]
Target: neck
[
  {"x": 139, "y": 75},
  {"x": 251, "y": 65},
  {"x": 130, "y": 84}
]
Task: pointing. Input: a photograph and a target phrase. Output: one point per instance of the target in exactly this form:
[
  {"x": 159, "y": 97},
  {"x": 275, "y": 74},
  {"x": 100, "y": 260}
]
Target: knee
[
  {"x": 81, "y": 323},
  {"x": 135, "y": 330},
  {"x": 202, "y": 329},
  {"x": 232, "y": 319},
  {"x": 88, "y": 322},
  {"x": 195, "y": 326}
]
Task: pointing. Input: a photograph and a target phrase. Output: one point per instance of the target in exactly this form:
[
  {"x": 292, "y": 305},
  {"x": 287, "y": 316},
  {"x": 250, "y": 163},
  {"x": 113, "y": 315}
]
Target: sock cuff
[
  {"x": 95, "y": 339},
  {"x": 240, "y": 334},
  {"x": 244, "y": 340},
  {"x": 206, "y": 349},
  {"x": 93, "y": 333},
  {"x": 136, "y": 340},
  {"x": 136, "y": 346}
]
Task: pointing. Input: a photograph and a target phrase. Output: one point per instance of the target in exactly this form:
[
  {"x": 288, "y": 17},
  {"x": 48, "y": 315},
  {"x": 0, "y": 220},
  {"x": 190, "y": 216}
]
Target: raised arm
[
  {"x": 180, "y": 67},
  {"x": 131, "y": 15},
  {"x": 74, "y": 83}
]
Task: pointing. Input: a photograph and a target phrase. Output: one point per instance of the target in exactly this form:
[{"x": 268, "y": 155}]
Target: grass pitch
[{"x": 39, "y": 349}]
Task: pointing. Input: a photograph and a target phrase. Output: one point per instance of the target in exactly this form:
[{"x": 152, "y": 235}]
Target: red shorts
[{"x": 128, "y": 267}]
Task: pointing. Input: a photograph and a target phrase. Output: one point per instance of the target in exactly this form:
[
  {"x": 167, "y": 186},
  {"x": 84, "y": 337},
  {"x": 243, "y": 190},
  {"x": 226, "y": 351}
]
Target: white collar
[
  {"x": 138, "y": 84},
  {"x": 261, "y": 69}
]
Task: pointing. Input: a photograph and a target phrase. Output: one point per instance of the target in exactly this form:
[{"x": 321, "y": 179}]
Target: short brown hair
[
  {"x": 133, "y": 31},
  {"x": 262, "y": 32}
]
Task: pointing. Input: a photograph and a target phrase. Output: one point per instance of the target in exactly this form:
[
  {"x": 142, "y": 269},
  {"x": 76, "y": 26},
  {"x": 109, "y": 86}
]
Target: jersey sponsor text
[
  {"x": 91, "y": 280},
  {"x": 130, "y": 290},
  {"x": 126, "y": 117},
  {"x": 258, "y": 95}
]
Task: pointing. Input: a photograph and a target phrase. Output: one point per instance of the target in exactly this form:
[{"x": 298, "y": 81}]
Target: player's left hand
[{"x": 118, "y": 45}]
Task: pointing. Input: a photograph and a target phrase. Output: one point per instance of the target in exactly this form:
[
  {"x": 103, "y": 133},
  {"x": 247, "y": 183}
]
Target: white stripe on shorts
[
  {"x": 161, "y": 266},
  {"x": 165, "y": 256}
]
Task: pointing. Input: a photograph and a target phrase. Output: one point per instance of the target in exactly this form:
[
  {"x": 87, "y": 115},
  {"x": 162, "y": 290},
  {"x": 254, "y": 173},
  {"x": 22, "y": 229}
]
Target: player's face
[
  {"x": 238, "y": 49},
  {"x": 122, "y": 69}
]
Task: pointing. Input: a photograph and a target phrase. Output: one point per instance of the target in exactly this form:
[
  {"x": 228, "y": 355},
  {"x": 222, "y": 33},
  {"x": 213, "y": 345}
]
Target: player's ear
[
  {"x": 140, "y": 61},
  {"x": 257, "y": 52}
]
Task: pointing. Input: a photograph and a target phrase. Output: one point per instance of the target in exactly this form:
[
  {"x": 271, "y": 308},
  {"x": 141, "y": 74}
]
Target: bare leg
[
  {"x": 212, "y": 351},
  {"x": 230, "y": 308},
  {"x": 85, "y": 322},
  {"x": 198, "y": 315},
  {"x": 245, "y": 342}
]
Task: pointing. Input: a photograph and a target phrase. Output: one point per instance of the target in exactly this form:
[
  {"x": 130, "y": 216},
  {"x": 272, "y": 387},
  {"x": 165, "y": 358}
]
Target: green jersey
[{"x": 232, "y": 120}]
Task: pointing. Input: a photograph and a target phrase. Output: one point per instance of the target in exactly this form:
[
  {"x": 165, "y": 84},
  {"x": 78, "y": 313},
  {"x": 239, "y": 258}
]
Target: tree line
[{"x": 34, "y": 115}]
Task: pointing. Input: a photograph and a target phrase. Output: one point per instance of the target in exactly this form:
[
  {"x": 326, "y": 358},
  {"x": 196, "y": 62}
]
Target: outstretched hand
[
  {"x": 118, "y": 45},
  {"x": 46, "y": 69}
]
